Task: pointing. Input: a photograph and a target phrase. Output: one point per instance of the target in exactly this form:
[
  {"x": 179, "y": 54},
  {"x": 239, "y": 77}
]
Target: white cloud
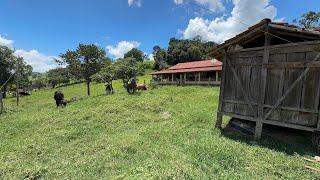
[
  {"x": 212, "y": 5},
  {"x": 223, "y": 28},
  {"x": 150, "y": 57},
  {"x": 135, "y": 2},
  {"x": 39, "y": 62},
  {"x": 178, "y": 1},
  {"x": 121, "y": 48},
  {"x": 6, "y": 42}
]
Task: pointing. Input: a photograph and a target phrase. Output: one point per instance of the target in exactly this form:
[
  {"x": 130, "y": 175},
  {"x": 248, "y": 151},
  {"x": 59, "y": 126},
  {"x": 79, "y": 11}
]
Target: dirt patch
[{"x": 166, "y": 115}]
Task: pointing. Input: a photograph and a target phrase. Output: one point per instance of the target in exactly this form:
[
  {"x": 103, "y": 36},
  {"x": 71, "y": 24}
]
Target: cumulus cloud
[
  {"x": 39, "y": 62},
  {"x": 135, "y": 2},
  {"x": 122, "y": 48},
  {"x": 223, "y": 28},
  {"x": 212, "y": 5},
  {"x": 6, "y": 42},
  {"x": 178, "y": 1},
  {"x": 151, "y": 57}
]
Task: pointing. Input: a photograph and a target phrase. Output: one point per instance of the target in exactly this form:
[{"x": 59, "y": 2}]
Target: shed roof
[
  {"x": 195, "y": 66},
  {"x": 280, "y": 29}
]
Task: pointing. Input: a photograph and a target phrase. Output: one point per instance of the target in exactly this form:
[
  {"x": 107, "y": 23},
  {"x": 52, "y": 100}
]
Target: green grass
[{"x": 166, "y": 132}]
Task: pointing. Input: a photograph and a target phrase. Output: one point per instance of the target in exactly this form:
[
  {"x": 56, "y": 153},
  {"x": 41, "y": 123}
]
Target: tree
[
  {"x": 135, "y": 53},
  {"x": 180, "y": 51},
  {"x": 309, "y": 20},
  {"x": 58, "y": 76},
  {"x": 39, "y": 81},
  {"x": 6, "y": 66},
  {"x": 105, "y": 75},
  {"x": 84, "y": 62},
  {"x": 127, "y": 69},
  {"x": 25, "y": 73},
  {"x": 160, "y": 58}
]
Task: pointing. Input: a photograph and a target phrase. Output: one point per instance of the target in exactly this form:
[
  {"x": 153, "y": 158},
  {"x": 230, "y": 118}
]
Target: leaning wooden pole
[
  {"x": 17, "y": 80},
  {"x": 1, "y": 102}
]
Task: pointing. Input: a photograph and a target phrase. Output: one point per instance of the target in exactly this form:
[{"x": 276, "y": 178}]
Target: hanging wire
[{"x": 7, "y": 81}]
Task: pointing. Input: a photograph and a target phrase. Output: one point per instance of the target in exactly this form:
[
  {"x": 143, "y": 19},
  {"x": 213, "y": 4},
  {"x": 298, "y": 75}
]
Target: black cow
[{"x": 59, "y": 97}]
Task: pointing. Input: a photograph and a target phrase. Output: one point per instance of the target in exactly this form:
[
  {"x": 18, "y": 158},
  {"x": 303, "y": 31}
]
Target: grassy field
[{"x": 167, "y": 132}]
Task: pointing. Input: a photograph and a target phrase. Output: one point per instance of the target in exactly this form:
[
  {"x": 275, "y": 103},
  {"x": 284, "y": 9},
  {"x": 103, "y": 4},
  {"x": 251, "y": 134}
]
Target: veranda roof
[{"x": 195, "y": 66}]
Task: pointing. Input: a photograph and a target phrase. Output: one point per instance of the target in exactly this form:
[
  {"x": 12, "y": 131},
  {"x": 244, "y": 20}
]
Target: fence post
[{"x": 1, "y": 102}]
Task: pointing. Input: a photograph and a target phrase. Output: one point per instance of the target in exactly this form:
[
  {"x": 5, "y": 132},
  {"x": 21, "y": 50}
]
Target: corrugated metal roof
[{"x": 195, "y": 66}]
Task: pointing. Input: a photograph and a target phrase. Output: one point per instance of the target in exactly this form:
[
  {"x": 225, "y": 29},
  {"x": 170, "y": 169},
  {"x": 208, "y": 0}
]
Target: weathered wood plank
[
  {"x": 276, "y": 123},
  {"x": 288, "y": 91}
]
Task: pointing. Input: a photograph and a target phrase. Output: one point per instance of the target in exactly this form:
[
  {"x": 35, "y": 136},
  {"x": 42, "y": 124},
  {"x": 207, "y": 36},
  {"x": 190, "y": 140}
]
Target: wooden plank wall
[{"x": 301, "y": 107}]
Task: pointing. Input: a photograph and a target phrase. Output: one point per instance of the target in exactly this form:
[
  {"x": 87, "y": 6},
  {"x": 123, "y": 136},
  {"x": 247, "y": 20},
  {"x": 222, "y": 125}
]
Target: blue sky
[{"x": 42, "y": 29}]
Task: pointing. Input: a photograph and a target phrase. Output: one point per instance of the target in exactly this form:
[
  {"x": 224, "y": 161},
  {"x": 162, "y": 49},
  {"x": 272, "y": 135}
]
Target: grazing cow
[
  {"x": 59, "y": 97},
  {"x": 131, "y": 86},
  {"x": 109, "y": 88},
  {"x": 141, "y": 87}
]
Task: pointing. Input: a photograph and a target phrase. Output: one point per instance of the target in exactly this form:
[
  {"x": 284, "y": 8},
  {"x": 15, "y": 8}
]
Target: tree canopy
[
  {"x": 135, "y": 53},
  {"x": 310, "y": 20},
  {"x": 182, "y": 50},
  {"x": 84, "y": 62},
  {"x": 128, "y": 68}
]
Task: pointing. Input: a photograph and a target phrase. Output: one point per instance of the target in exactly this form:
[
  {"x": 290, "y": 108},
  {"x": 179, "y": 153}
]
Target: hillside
[{"x": 164, "y": 132}]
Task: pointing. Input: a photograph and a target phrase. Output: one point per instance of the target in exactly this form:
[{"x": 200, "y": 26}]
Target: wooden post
[
  {"x": 217, "y": 76},
  {"x": 172, "y": 77},
  {"x": 17, "y": 80},
  {"x": 185, "y": 78},
  {"x": 223, "y": 77},
  {"x": 199, "y": 76},
  {"x": 1, "y": 102},
  {"x": 263, "y": 85}
]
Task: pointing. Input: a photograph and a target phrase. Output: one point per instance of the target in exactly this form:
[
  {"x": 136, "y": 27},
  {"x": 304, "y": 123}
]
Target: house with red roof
[{"x": 207, "y": 72}]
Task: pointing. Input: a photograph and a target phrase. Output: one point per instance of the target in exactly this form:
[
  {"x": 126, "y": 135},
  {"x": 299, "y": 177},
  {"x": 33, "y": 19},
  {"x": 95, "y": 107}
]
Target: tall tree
[
  {"x": 128, "y": 68},
  {"x": 135, "y": 53},
  {"x": 309, "y": 20},
  {"x": 6, "y": 66},
  {"x": 160, "y": 58},
  {"x": 85, "y": 61},
  {"x": 180, "y": 51}
]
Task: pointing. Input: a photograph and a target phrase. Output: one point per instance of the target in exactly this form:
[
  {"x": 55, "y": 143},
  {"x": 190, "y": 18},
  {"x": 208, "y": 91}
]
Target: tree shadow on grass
[{"x": 286, "y": 140}]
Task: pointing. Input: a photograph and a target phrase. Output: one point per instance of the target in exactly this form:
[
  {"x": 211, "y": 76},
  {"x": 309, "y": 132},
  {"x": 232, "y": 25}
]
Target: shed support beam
[
  {"x": 199, "y": 76},
  {"x": 172, "y": 77},
  {"x": 263, "y": 85},
  {"x": 217, "y": 76},
  {"x": 185, "y": 77},
  {"x": 221, "y": 96}
]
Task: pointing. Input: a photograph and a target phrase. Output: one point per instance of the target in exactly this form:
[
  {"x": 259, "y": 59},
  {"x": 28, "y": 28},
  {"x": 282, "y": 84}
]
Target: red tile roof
[{"x": 195, "y": 66}]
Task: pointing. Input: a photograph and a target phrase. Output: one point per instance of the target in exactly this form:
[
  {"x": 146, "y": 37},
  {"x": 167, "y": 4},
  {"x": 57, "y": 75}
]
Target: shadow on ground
[{"x": 286, "y": 140}]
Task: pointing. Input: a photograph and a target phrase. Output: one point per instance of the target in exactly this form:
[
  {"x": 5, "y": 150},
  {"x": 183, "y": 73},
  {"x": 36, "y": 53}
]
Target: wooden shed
[{"x": 271, "y": 75}]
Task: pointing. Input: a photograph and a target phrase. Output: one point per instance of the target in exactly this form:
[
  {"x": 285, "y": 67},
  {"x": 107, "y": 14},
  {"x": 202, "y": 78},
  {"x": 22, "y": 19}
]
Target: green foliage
[
  {"x": 160, "y": 58},
  {"x": 58, "y": 76},
  {"x": 164, "y": 133},
  {"x": 105, "y": 75},
  {"x": 310, "y": 20},
  {"x": 40, "y": 81},
  {"x": 135, "y": 53},
  {"x": 6, "y": 64},
  {"x": 84, "y": 62},
  {"x": 180, "y": 51},
  {"x": 128, "y": 68}
]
